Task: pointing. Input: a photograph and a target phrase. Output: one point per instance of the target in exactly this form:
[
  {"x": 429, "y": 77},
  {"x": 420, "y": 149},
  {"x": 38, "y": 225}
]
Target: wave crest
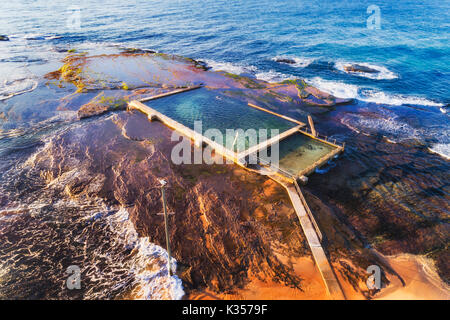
[{"x": 350, "y": 91}]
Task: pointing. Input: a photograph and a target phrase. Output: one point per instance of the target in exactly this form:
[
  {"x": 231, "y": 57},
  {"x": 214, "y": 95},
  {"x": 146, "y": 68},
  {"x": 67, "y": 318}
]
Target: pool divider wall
[
  {"x": 267, "y": 143},
  {"x": 277, "y": 114},
  {"x": 166, "y": 94}
]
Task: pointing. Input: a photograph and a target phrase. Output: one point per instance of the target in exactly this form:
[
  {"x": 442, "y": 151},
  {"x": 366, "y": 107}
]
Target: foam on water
[
  {"x": 336, "y": 88},
  {"x": 151, "y": 278},
  {"x": 11, "y": 88},
  {"x": 349, "y": 91},
  {"x": 395, "y": 100},
  {"x": 114, "y": 260},
  {"x": 300, "y": 62},
  {"x": 230, "y": 67},
  {"x": 442, "y": 149},
  {"x": 273, "y": 76},
  {"x": 388, "y": 126},
  {"x": 397, "y": 130}
]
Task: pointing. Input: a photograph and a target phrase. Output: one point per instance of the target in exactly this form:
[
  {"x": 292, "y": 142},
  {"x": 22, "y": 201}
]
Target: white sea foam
[
  {"x": 350, "y": 91},
  {"x": 336, "y": 88},
  {"x": 269, "y": 76},
  {"x": 229, "y": 67},
  {"x": 11, "y": 88},
  {"x": 396, "y": 130},
  {"x": 382, "y": 74},
  {"x": 300, "y": 62},
  {"x": 389, "y": 126},
  {"x": 442, "y": 149},
  {"x": 149, "y": 265},
  {"x": 380, "y": 97},
  {"x": 273, "y": 76}
]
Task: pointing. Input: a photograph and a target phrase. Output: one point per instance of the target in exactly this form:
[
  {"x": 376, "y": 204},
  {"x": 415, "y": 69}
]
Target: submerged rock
[
  {"x": 4, "y": 38},
  {"x": 137, "y": 51},
  {"x": 199, "y": 64},
  {"x": 359, "y": 68},
  {"x": 285, "y": 60}
]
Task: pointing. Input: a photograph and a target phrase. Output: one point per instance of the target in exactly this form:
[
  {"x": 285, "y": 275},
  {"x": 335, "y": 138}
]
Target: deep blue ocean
[{"x": 407, "y": 42}]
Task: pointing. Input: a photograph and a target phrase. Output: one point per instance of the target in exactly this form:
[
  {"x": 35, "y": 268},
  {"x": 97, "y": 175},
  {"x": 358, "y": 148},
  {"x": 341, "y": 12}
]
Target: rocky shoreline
[{"x": 122, "y": 156}]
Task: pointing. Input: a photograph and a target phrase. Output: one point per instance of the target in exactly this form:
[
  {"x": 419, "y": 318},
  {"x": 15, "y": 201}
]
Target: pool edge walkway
[{"x": 332, "y": 285}]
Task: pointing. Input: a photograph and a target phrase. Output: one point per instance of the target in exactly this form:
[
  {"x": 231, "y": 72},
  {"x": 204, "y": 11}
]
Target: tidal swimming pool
[
  {"x": 218, "y": 111},
  {"x": 299, "y": 151}
]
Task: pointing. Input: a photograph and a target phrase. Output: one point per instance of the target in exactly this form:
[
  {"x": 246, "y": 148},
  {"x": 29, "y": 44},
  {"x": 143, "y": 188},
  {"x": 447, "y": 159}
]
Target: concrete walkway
[
  {"x": 331, "y": 283},
  {"x": 326, "y": 271}
]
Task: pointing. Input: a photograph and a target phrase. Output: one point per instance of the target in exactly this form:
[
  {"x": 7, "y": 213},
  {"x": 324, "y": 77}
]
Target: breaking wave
[
  {"x": 396, "y": 130},
  {"x": 273, "y": 76},
  {"x": 43, "y": 231},
  {"x": 149, "y": 264},
  {"x": 389, "y": 126},
  {"x": 442, "y": 149},
  {"x": 230, "y": 67}
]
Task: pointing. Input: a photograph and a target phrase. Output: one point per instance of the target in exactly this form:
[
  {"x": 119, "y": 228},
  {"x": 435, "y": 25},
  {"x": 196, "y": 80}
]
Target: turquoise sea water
[{"x": 396, "y": 131}]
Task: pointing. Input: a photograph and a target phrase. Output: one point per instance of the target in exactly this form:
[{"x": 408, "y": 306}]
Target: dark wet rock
[
  {"x": 285, "y": 60},
  {"x": 200, "y": 64},
  {"x": 137, "y": 51},
  {"x": 360, "y": 68},
  {"x": 364, "y": 198},
  {"x": 4, "y": 38}
]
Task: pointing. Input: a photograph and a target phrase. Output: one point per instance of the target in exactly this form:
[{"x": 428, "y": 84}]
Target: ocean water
[
  {"x": 404, "y": 104},
  {"x": 410, "y": 49}
]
